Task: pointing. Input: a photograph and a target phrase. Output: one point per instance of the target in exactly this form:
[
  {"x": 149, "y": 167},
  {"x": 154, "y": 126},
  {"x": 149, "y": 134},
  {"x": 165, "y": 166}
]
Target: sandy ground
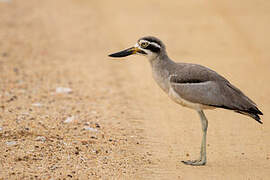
[{"x": 113, "y": 121}]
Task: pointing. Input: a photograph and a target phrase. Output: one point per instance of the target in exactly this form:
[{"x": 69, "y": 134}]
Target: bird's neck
[
  {"x": 161, "y": 71},
  {"x": 160, "y": 60}
]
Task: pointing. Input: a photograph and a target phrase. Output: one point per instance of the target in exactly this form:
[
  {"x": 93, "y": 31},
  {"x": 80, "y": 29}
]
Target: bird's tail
[
  {"x": 253, "y": 112},
  {"x": 244, "y": 105}
]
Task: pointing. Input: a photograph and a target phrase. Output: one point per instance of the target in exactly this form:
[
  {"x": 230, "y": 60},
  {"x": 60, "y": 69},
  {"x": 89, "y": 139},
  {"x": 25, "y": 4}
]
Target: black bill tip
[{"x": 123, "y": 53}]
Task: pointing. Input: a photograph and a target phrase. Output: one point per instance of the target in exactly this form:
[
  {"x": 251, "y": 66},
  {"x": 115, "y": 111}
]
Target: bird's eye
[{"x": 144, "y": 44}]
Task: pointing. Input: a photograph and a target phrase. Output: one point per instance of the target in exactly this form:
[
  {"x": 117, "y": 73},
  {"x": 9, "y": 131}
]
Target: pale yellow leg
[{"x": 202, "y": 160}]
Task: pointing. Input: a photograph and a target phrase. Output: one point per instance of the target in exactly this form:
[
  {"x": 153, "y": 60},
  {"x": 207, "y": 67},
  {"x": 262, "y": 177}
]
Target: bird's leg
[{"x": 202, "y": 160}]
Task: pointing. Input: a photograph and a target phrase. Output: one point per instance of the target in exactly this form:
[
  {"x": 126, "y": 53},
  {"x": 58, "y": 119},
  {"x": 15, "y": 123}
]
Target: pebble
[
  {"x": 69, "y": 119},
  {"x": 97, "y": 125},
  {"x": 53, "y": 167},
  {"x": 90, "y": 129},
  {"x": 11, "y": 143},
  {"x": 37, "y": 104},
  {"x": 1, "y": 128},
  {"x": 41, "y": 138},
  {"x": 63, "y": 90},
  {"x": 94, "y": 112}
]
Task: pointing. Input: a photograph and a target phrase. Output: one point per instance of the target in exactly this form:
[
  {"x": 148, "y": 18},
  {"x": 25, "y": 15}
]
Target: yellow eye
[{"x": 144, "y": 44}]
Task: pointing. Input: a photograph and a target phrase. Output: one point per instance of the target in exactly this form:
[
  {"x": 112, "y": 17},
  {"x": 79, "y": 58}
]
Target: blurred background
[{"x": 67, "y": 110}]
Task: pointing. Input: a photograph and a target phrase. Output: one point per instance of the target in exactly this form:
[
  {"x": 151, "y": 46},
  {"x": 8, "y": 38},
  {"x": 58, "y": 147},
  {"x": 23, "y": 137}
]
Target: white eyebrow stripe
[{"x": 155, "y": 44}]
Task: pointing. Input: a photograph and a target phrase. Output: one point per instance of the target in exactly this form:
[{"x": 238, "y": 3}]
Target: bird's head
[{"x": 148, "y": 46}]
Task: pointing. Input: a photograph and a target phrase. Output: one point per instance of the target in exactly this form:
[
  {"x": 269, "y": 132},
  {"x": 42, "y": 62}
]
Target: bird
[{"x": 192, "y": 85}]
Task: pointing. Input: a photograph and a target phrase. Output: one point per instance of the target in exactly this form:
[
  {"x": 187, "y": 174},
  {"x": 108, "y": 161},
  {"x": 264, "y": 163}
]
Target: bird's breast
[{"x": 162, "y": 79}]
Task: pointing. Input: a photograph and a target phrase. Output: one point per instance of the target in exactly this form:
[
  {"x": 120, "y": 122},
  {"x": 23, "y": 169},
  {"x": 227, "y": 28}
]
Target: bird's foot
[{"x": 198, "y": 162}]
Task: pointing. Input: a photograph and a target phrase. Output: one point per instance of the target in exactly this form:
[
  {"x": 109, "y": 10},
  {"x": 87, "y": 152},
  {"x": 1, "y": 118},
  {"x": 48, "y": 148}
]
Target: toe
[{"x": 194, "y": 163}]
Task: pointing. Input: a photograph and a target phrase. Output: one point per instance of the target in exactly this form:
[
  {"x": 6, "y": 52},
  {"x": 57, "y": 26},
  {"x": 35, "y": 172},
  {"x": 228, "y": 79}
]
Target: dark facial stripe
[{"x": 153, "y": 48}]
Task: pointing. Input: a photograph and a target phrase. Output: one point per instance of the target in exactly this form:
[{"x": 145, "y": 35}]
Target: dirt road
[{"x": 69, "y": 111}]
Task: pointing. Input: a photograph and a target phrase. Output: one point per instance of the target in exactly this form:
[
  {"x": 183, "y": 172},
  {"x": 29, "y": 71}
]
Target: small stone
[
  {"x": 25, "y": 113},
  {"x": 53, "y": 167},
  {"x": 41, "y": 138},
  {"x": 90, "y": 129},
  {"x": 37, "y": 104},
  {"x": 187, "y": 154},
  {"x": 87, "y": 123},
  {"x": 12, "y": 99},
  {"x": 69, "y": 119},
  {"x": 65, "y": 143},
  {"x": 94, "y": 112},
  {"x": 84, "y": 142},
  {"x": 11, "y": 143},
  {"x": 63, "y": 90},
  {"x": 243, "y": 153},
  {"x": 97, "y": 125},
  {"x": 1, "y": 128}
]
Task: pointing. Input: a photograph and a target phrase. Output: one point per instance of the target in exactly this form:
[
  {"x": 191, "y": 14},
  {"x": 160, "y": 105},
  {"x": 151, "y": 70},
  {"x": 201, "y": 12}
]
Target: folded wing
[{"x": 217, "y": 93}]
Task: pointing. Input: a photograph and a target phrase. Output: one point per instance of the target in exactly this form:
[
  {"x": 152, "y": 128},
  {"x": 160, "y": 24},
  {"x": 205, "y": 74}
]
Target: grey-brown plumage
[
  {"x": 198, "y": 84},
  {"x": 193, "y": 86}
]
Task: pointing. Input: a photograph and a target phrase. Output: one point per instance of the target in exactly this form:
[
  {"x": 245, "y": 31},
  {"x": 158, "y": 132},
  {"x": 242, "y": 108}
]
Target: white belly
[{"x": 178, "y": 99}]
